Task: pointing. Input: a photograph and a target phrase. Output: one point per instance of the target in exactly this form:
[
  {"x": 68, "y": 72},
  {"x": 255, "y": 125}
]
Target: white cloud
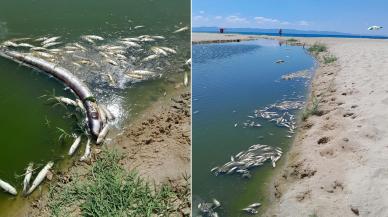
[
  {"x": 303, "y": 23},
  {"x": 236, "y": 19},
  {"x": 265, "y": 20}
]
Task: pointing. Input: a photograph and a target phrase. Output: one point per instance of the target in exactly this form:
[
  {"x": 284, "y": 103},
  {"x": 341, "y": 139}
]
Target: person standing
[{"x": 280, "y": 32}]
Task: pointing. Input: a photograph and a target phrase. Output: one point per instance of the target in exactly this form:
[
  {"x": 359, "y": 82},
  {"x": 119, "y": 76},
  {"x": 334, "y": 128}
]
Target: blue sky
[{"x": 350, "y": 16}]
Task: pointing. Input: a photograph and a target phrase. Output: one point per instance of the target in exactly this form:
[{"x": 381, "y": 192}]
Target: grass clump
[
  {"x": 108, "y": 190},
  {"x": 292, "y": 40},
  {"x": 313, "y": 110},
  {"x": 329, "y": 59},
  {"x": 317, "y": 48}
]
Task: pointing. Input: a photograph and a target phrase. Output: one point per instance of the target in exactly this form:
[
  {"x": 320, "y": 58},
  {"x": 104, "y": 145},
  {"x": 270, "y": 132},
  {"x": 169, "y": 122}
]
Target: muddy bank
[
  {"x": 336, "y": 166},
  {"x": 156, "y": 144}
]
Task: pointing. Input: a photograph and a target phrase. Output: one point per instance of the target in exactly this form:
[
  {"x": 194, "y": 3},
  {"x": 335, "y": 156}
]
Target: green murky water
[
  {"x": 230, "y": 81},
  {"x": 29, "y": 124}
]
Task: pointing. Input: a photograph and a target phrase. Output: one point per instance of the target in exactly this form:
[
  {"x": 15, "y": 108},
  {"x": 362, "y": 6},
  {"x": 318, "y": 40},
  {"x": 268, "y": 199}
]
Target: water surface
[
  {"x": 230, "y": 81},
  {"x": 29, "y": 128}
]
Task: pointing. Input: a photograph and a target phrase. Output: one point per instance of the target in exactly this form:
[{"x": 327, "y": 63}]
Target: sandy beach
[
  {"x": 337, "y": 163},
  {"x": 203, "y": 38}
]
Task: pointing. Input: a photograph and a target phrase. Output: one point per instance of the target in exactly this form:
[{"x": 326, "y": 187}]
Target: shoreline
[
  {"x": 338, "y": 157},
  {"x": 124, "y": 143},
  {"x": 207, "y": 38}
]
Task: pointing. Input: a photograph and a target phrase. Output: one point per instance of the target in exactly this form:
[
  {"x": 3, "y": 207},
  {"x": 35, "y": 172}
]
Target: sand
[
  {"x": 203, "y": 38},
  {"x": 337, "y": 165}
]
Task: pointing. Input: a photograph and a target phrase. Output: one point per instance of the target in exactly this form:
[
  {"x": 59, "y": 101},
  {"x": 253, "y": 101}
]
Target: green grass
[
  {"x": 292, "y": 40},
  {"x": 108, "y": 190},
  {"x": 317, "y": 48},
  {"x": 329, "y": 59},
  {"x": 313, "y": 110}
]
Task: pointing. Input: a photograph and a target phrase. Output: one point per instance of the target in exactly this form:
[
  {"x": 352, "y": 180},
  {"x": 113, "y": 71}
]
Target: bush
[
  {"x": 329, "y": 59},
  {"x": 317, "y": 48}
]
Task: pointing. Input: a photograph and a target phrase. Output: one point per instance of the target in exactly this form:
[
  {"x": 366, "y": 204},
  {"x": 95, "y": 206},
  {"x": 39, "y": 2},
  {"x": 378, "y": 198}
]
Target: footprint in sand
[
  {"x": 323, "y": 140},
  {"x": 348, "y": 114}
]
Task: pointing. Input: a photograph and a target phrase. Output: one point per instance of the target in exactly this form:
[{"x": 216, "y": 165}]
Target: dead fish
[
  {"x": 75, "y": 145},
  {"x": 138, "y": 27},
  {"x": 121, "y": 57},
  {"x": 65, "y": 100},
  {"x": 94, "y": 37},
  {"x": 158, "y": 37},
  {"x": 38, "y": 49},
  {"x": 159, "y": 51},
  {"x": 150, "y": 57},
  {"x": 41, "y": 39},
  {"x": 80, "y": 105},
  {"x": 76, "y": 64},
  {"x": 181, "y": 29},
  {"x": 20, "y": 39},
  {"x": 87, "y": 39},
  {"x": 108, "y": 113},
  {"x": 40, "y": 177},
  {"x": 168, "y": 50},
  {"x": 51, "y": 44},
  {"x": 112, "y": 62},
  {"x": 214, "y": 169},
  {"x": 102, "y": 115},
  {"x": 102, "y": 134},
  {"x": 138, "y": 77},
  {"x": 79, "y": 46},
  {"x": 27, "y": 177},
  {"x": 131, "y": 39},
  {"x": 8, "y": 188},
  {"x": 130, "y": 43},
  {"x": 115, "y": 48},
  {"x": 9, "y": 44},
  {"x": 50, "y": 40},
  {"x": 87, "y": 151},
  {"x": 216, "y": 202},
  {"x": 186, "y": 79},
  {"x": 254, "y": 205},
  {"x": 26, "y": 45},
  {"x": 188, "y": 62},
  {"x": 250, "y": 210},
  {"x": 42, "y": 54},
  {"x": 143, "y": 72},
  {"x": 112, "y": 81},
  {"x": 147, "y": 39}
]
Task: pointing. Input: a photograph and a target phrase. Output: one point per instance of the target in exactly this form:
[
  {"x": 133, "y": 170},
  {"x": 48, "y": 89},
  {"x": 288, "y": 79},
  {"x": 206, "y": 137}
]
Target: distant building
[{"x": 222, "y": 30}]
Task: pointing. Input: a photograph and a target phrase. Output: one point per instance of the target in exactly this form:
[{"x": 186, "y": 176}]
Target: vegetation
[
  {"x": 313, "y": 110},
  {"x": 329, "y": 59},
  {"x": 292, "y": 40},
  {"x": 108, "y": 190},
  {"x": 317, "y": 48}
]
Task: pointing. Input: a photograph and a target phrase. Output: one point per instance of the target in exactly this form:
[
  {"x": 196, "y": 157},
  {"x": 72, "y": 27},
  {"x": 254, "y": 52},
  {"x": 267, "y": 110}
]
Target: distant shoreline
[{"x": 297, "y": 35}]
